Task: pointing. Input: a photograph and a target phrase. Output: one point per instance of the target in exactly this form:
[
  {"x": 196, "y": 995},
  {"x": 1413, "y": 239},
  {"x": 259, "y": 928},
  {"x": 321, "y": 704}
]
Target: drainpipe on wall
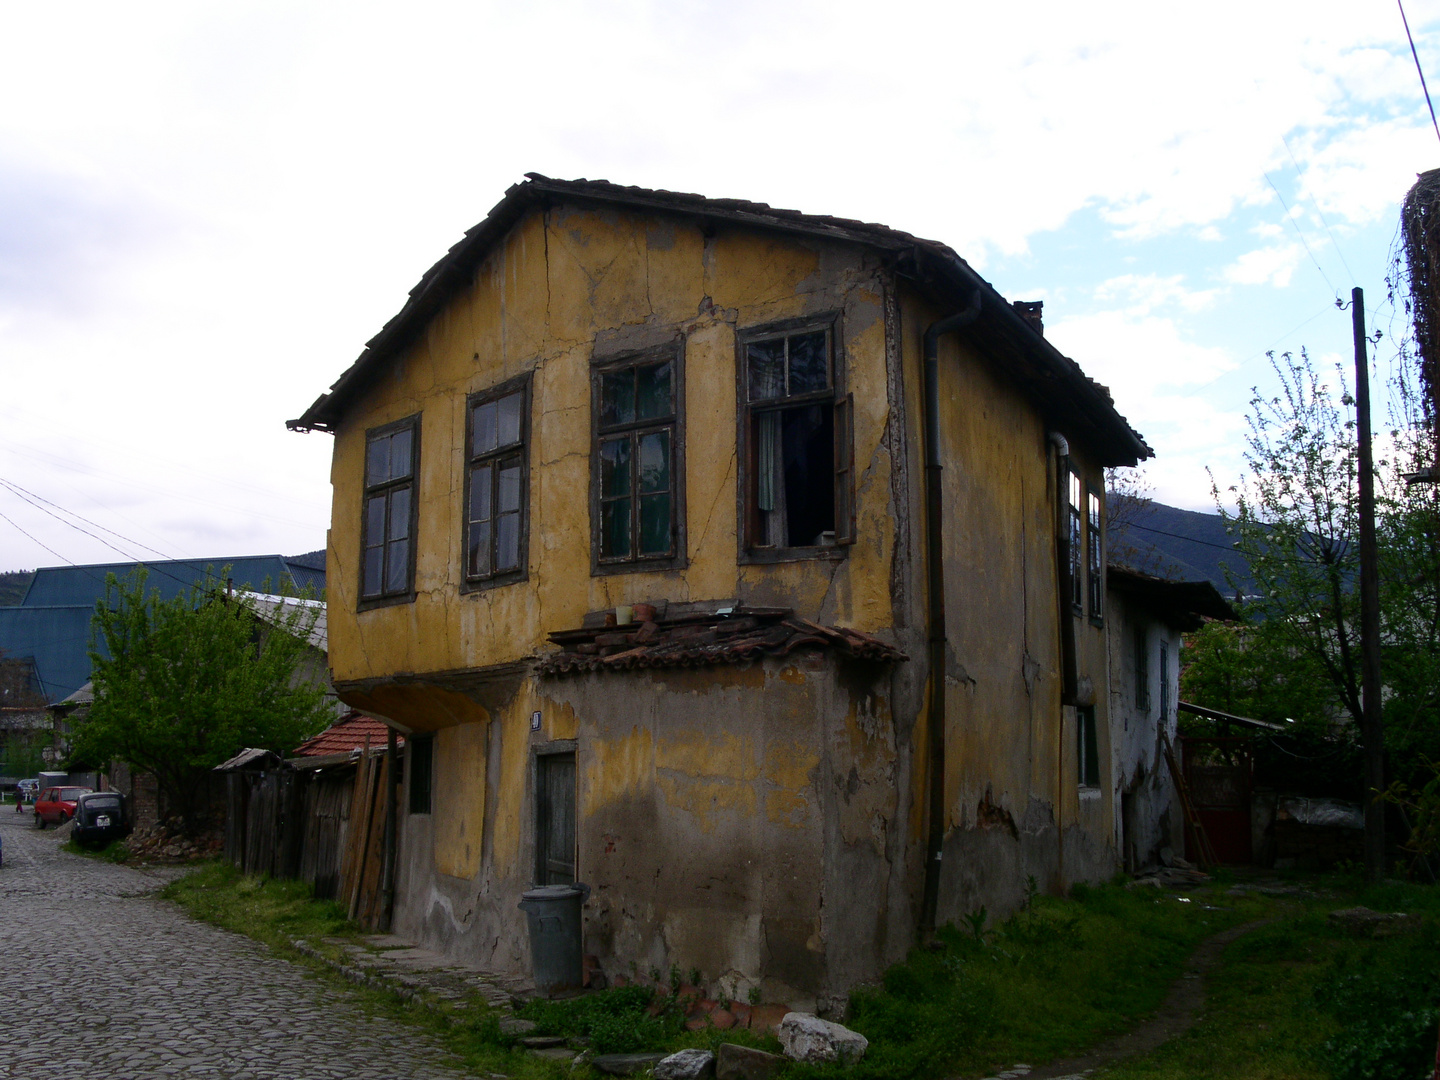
[{"x": 935, "y": 575}]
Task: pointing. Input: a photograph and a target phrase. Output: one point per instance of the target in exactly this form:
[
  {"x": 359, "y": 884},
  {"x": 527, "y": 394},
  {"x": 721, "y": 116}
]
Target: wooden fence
[{"x": 321, "y": 821}]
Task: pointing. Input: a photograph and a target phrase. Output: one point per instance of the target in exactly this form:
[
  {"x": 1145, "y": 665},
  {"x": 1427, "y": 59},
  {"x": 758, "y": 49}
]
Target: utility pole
[{"x": 1372, "y": 726}]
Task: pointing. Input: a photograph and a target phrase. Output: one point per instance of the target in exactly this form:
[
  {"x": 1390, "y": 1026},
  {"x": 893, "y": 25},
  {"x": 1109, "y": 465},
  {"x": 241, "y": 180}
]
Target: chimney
[{"x": 1029, "y": 310}]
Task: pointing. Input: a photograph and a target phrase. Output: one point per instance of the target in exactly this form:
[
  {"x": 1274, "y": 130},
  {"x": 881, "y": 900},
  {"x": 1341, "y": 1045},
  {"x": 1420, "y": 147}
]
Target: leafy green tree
[
  {"x": 182, "y": 684},
  {"x": 1296, "y": 523}
]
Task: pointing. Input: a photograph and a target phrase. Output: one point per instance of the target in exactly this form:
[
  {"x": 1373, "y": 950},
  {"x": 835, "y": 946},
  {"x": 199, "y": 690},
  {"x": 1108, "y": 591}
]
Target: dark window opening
[
  {"x": 1087, "y": 747},
  {"x": 555, "y": 819},
  {"x": 797, "y": 438},
  {"x": 421, "y": 749},
  {"x": 388, "y": 525},
  {"x": 1097, "y": 558},
  {"x": 638, "y": 462},
  {"x": 497, "y": 504},
  {"x": 1164, "y": 683}
]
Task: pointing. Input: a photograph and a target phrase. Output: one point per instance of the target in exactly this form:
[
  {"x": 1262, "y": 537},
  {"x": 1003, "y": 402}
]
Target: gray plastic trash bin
[{"x": 553, "y": 912}]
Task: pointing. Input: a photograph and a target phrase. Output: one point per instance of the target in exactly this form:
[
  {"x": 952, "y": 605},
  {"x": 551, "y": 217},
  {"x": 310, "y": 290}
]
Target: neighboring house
[
  {"x": 607, "y": 401},
  {"x": 352, "y": 732},
  {"x": 1147, "y": 620},
  {"x": 51, "y": 625}
]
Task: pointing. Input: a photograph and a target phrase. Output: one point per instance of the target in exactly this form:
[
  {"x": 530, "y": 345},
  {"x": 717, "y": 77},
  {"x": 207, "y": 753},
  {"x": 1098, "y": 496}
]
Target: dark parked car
[
  {"x": 56, "y": 805},
  {"x": 100, "y": 817}
]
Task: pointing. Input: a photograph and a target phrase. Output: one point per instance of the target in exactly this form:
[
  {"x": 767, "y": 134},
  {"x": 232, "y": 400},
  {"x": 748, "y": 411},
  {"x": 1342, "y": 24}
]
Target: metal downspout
[{"x": 935, "y": 575}]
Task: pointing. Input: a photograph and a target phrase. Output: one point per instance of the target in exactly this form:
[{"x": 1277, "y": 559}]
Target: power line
[
  {"x": 19, "y": 490},
  {"x": 1300, "y": 233},
  {"x": 48, "y": 548},
  {"x": 1320, "y": 214},
  {"x": 1418, "y": 69},
  {"x": 1178, "y": 536}
]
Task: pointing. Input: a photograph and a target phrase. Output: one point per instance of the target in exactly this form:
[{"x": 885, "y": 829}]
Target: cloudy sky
[{"x": 206, "y": 210}]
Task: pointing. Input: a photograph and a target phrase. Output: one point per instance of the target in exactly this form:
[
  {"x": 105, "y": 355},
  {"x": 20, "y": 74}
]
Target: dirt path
[{"x": 1174, "y": 1017}]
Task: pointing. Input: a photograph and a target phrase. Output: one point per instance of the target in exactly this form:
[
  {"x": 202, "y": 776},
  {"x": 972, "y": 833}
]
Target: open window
[
  {"x": 387, "y": 563},
  {"x": 497, "y": 485},
  {"x": 1087, "y": 748},
  {"x": 796, "y": 433}
]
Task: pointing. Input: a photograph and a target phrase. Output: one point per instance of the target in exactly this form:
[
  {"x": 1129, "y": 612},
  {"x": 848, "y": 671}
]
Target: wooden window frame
[
  {"x": 1095, "y": 552},
  {"x": 495, "y": 579},
  {"x": 369, "y": 491},
  {"x": 600, "y": 366},
  {"x": 843, "y": 427}
]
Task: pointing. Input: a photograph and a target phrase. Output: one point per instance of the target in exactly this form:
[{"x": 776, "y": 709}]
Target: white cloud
[{"x": 1273, "y": 265}]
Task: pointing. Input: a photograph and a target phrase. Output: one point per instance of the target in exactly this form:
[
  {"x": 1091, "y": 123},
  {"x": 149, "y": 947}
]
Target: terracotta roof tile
[{"x": 344, "y": 736}]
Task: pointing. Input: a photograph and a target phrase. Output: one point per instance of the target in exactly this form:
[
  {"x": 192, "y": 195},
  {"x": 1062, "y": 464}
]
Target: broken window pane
[
  {"x": 809, "y": 363},
  {"x": 479, "y": 548},
  {"x": 509, "y": 423},
  {"x": 766, "y": 361},
  {"x": 655, "y": 461},
  {"x": 653, "y": 399},
  {"x": 614, "y": 467},
  {"x": 487, "y": 427},
  {"x": 617, "y": 397}
]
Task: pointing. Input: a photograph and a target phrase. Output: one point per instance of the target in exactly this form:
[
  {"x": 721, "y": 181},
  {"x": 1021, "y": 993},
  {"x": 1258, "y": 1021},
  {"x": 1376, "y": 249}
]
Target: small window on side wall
[
  {"x": 387, "y": 563},
  {"x": 639, "y": 462},
  {"x": 797, "y": 443},
  {"x": 1097, "y": 556},
  {"x": 1077, "y": 544},
  {"x": 497, "y": 485}
]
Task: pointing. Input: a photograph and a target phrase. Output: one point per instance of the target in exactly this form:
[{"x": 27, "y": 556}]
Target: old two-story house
[{"x": 744, "y": 564}]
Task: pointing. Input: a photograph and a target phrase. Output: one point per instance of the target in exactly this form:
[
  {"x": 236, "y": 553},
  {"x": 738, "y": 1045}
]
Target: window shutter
[{"x": 845, "y": 470}]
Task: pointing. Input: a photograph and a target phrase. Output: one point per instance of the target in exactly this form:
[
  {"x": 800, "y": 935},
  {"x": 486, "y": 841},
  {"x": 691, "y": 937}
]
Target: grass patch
[
  {"x": 114, "y": 851},
  {"x": 1056, "y": 978},
  {"x": 1299, "y": 1000},
  {"x": 266, "y": 909}
]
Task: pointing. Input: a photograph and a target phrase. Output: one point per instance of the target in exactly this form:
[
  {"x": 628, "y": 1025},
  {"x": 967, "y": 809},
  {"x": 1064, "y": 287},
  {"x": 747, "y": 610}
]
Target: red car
[{"x": 56, "y": 805}]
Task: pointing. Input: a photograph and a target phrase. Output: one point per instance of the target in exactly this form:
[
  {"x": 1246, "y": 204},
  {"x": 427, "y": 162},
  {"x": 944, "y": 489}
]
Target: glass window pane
[
  {"x": 510, "y": 419},
  {"x": 487, "y": 427},
  {"x": 615, "y": 529},
  {"x": 617, "y": 397},
  {"x": 654, "y": 393},
  {"x": 479, "y": 549},
  {"x": 615, "y": 467},
  {"x": 655, "y": 461},
  {"x": 377, "y": 460},
  {"x": 655, "y": 524},
  {"x": 480, "y": 480},
  {"x": 375, "y": 521},
  {"x": 809, "y": 363},
  {"x": 507, "y": 542},
  {"x": 766, "y": 361},
  {"x": 509, "y": 496},
  {"x": 397, "y": 565},
  {"x": 401, "y": 444},
  {"x": 399, "y": 514},
  {"x": 370, "y": 585}
]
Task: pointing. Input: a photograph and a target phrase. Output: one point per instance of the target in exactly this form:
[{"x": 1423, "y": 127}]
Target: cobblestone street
[{"x": 105, "y": 979}]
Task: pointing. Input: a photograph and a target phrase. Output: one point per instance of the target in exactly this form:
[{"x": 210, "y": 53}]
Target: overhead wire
[
  {"x": 46, "y": 546},
  {"x": 1418, "y": 69},
  {"x": 18, "y": 489},
  {"x": 1290, "y": 217},
  {"x": 1319, "y": 213}
]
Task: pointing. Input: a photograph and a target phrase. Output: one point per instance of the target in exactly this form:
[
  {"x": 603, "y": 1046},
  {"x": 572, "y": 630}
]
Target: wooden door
[{"x": 555, "y": 819}]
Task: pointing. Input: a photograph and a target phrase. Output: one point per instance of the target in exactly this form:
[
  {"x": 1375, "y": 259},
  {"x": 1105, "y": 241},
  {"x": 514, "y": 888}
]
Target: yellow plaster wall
[
  {"x": 559, "y": 279},
  {"x": 460, "y": 758}
]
